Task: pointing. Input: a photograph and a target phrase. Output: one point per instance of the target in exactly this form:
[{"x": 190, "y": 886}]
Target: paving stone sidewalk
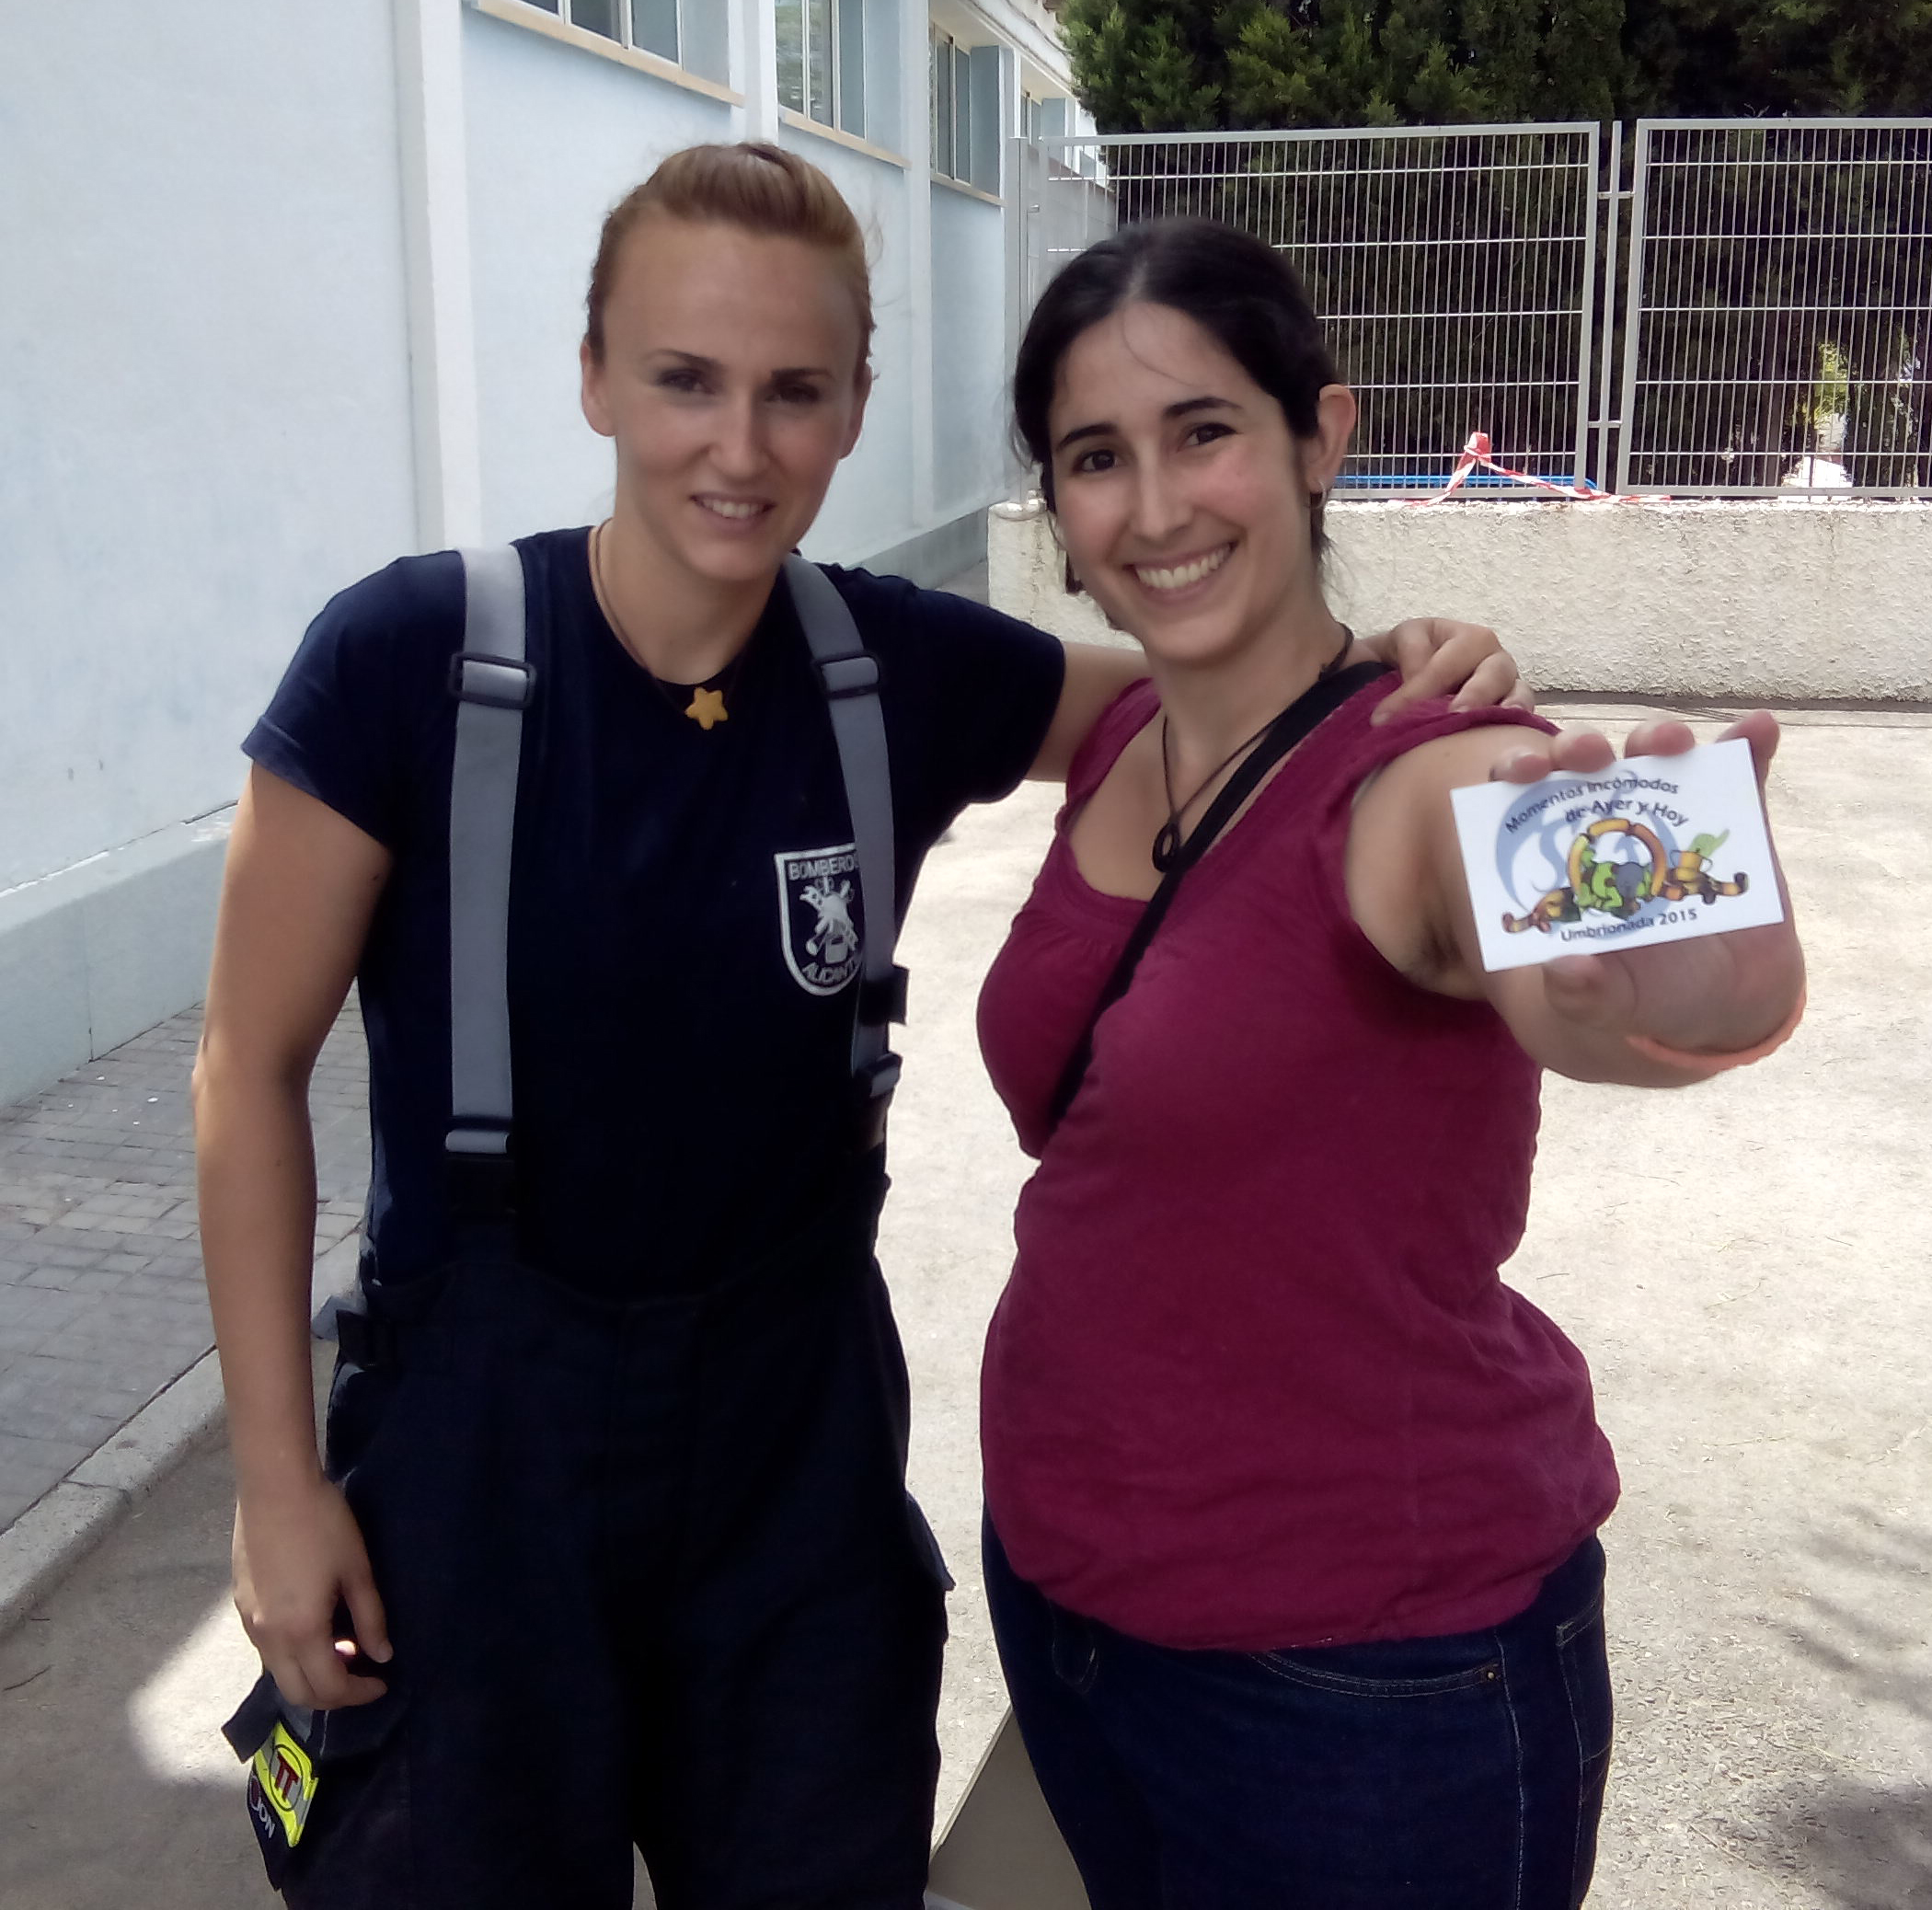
[{"x": 102, "y": 1301}]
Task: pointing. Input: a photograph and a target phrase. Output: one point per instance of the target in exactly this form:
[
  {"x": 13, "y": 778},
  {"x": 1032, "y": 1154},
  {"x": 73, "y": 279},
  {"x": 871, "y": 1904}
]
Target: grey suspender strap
[
  {"x": 849, "y": 673},
  {"x": 493, "y": 685}
]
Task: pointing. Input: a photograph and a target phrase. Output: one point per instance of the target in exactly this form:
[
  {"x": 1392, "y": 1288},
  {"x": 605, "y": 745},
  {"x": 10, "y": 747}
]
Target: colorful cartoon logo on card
[
  {"x": 1656, "y": 849},
  {"x": 1617, "y": 866}
]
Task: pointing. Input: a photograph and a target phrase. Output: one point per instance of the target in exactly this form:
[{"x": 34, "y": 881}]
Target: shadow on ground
[
  {"x": 1864, "y": 1844},
  {"x": 86, "y": 1822}
]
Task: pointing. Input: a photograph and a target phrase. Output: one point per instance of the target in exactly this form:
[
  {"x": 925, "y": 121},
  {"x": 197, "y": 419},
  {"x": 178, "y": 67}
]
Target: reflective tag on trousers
[{"x": 282, "y": 1789}]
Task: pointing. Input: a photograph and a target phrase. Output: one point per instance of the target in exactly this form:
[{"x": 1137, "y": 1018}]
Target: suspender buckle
[
  {"x": 856, "y": 675},
  {"x": 874, "y": 1082},
  {"x": 497, "y": 683},
  {"x": 479, "y": 1173},
  {"x": 883, "y": 1001}
]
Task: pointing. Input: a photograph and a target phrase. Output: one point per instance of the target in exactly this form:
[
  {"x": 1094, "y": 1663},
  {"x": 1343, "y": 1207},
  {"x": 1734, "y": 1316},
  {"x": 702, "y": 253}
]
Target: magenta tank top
[{"x": 1254, "y": 1383}]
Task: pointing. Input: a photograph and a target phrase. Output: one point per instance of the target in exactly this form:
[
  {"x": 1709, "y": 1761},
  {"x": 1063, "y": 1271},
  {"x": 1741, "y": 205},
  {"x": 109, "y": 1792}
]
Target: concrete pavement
[
  {"x": 1745, "y": 1264},
  {"x": 105, "y": 1364}
]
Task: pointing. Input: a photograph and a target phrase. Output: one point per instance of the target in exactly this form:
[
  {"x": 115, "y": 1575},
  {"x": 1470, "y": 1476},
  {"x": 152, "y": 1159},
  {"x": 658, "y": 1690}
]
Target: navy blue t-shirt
[{"x": 683, "y": 945}]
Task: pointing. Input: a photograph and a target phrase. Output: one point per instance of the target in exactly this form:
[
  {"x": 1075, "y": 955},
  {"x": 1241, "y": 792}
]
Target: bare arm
[
  {"x": 299, "y": 887},
  {"x": 1436, "y": 656},
  {"x": 1722, "y": 993}
]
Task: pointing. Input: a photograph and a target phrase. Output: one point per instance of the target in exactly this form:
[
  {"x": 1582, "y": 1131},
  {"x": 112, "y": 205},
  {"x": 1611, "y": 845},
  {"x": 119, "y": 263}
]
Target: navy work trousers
[
  {"x": 651, "y": 1577},
  {"x": 1457, "y": 1773}
]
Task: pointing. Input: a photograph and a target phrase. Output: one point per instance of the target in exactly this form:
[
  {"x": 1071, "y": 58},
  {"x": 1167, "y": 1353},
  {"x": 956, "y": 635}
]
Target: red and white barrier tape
[{"x": 1477, "y": 455}]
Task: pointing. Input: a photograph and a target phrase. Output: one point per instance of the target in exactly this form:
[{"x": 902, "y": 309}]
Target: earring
[{"x": 1073, "y": 583}]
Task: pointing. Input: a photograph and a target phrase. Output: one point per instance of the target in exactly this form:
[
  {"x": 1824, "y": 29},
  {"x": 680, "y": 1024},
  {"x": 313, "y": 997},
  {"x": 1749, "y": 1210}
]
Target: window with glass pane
[
  {"x": 942, "y": 105},
  {"x": 851, "y": 66},
  {"x": 961, "y": 114},
  {"x": 818, "y": 60},
  {"x": 704, "y": 39},
  {"x": 603, "y": 17},
  {"x": 654, "y": 27},
  {"x": 791, "y": 54}
]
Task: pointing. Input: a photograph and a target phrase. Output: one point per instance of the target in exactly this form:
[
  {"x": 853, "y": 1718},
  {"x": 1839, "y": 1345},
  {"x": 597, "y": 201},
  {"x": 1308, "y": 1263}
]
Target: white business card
[{"x": 1652, "y": 849}]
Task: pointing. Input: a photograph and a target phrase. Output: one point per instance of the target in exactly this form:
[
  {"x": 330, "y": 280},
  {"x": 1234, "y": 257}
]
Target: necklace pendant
[
  {"x": 1167, "y": 846},
  {"x": 707, "y": 706}
]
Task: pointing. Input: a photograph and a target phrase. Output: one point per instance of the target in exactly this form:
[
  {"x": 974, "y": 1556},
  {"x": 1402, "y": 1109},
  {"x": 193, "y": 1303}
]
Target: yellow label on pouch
[{"x": 285, "y": 1781}]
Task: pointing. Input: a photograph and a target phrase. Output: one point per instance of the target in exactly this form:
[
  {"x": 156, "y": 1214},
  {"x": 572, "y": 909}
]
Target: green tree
[
  {"x": 1745, "y": 58},
  {"x": 1158, "y": 66},
  {"x": 1195, "y": 65}
]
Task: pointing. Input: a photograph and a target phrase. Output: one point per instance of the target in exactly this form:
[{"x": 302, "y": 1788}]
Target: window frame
[
  {"x": 844, "y": 66},
  {"x": 623, "y": 13},
  {"x": 959, "y": 94}
]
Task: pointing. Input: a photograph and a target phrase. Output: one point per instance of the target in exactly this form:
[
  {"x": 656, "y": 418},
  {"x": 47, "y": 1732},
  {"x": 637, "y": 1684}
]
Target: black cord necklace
[
  {"x": 707, "y": 705},
  {"x": 1168, "y": 844}
]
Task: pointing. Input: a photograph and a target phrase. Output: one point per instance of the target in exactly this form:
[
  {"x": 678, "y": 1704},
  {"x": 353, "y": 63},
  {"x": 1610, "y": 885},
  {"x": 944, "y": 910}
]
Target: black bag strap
[{"x": 1327, "y": 696}]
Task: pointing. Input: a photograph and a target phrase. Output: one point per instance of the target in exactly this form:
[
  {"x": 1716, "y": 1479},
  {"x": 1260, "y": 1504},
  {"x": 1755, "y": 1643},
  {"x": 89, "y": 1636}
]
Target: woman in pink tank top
[{"x": 1291, "y": 1504}]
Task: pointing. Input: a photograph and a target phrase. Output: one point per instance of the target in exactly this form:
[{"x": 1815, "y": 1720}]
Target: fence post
[
  {"x": 1614, "y": 195},
  {"x": 1633, "y": 308},
  {"x": 1586, "y": 307}
]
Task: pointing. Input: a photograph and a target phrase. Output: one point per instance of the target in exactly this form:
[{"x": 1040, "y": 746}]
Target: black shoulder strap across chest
[
  {"x": 1325, "y": 697},
  {"x": 494, "y": 684}
]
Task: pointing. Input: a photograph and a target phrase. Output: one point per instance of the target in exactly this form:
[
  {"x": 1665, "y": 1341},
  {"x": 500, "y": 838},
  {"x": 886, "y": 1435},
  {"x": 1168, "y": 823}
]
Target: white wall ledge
[
  {"x": 804, "y": 123},
  {"x": 966, "y": 187},
  {"x": 534, "y": 20}
]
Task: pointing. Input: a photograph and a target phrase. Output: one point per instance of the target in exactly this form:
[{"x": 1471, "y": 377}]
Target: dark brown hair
[
  {"x": 1237, "y": 289},
  {"x": 754, "y": 186}
]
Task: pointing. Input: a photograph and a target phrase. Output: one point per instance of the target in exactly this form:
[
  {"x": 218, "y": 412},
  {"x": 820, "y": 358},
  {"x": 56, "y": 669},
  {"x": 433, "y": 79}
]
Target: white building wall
[
  {"x": 556, "y": 137},
  {"x": 206, "y": 406},
  {"x": 970, "y": 370}
]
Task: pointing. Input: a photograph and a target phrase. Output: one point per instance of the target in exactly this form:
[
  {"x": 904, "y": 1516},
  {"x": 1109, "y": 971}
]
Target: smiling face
[
  {"x": 1180, "y": 494},
  {"x": 730, "y": 381}
]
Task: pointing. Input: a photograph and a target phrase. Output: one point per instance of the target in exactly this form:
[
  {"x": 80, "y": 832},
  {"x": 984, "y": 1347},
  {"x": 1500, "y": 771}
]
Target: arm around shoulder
[{"x": 1096, "y": 674}]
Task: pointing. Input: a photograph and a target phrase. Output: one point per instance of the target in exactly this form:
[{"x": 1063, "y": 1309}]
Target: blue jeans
[{"x": 1457, "y": 1773}]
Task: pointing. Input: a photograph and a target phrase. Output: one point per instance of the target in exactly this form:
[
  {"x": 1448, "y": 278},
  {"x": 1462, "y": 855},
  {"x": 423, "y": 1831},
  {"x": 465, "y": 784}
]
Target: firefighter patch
[{"x": 819, "y": 917}]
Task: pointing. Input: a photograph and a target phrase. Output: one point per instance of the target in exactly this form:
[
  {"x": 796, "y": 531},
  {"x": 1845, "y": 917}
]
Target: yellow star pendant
[{"x": 705, "y": 707}]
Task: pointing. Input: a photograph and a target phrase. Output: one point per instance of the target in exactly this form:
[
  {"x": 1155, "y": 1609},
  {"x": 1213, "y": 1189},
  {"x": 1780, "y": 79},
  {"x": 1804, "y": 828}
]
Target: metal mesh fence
[
  {"x": 1454, "y": 269},
  {"x": 1775, "y": 334},
  {"x": 1779, "y": 322}
]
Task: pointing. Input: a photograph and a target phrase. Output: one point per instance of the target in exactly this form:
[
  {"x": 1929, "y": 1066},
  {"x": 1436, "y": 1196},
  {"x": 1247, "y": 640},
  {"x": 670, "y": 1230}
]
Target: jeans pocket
[
  {"x": 1403, "y": 1668},
  {"x": 1582, "y": 1653}
]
